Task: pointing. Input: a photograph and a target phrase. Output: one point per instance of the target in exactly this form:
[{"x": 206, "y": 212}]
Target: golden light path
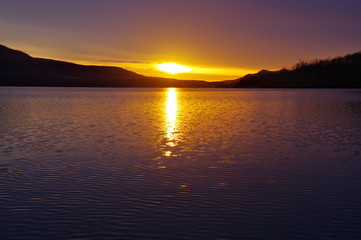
[{"x": 171, "y": 120}]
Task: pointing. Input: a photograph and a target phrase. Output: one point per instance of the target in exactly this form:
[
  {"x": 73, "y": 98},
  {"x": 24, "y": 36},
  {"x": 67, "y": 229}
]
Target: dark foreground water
[{"x": 179, "y": 164}]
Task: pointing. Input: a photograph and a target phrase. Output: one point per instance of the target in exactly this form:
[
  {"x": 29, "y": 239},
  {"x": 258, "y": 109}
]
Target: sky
[{"x": 217, "y": 39}]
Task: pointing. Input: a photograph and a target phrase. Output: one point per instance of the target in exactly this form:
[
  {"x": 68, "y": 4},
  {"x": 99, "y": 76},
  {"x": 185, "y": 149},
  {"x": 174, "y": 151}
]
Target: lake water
[{"x": 214, "y": 164}]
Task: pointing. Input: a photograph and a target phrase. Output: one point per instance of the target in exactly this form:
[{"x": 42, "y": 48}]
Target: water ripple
[{"x": 149, "y": 164}]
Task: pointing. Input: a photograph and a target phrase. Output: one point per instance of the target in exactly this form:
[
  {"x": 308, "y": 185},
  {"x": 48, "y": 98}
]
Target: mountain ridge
[
  {"x": 339, "y": 72},
  {"x": 17, "y": 68},
  {"x": 20, "y": 69}
]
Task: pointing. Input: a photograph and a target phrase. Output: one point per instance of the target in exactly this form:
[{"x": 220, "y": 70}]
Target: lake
[{"x": 93, "y": 163}]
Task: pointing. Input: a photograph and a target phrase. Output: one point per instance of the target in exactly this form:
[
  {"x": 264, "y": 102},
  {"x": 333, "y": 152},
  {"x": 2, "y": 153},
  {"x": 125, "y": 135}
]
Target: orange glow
[{"x": 173, "y": 68}]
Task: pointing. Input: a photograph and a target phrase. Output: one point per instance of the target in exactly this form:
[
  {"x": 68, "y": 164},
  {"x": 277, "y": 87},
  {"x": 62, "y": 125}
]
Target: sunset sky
[{"x": 218, "y": 39}]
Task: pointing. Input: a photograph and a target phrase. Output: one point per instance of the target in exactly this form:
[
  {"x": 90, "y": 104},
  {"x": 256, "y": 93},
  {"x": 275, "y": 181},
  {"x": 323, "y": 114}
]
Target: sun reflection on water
[{"x": 171, "y": 121}]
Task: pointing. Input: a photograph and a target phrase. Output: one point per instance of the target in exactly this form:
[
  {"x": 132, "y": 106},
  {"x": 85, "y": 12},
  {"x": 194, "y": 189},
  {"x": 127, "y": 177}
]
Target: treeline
[{"x": 340, "y": 72}]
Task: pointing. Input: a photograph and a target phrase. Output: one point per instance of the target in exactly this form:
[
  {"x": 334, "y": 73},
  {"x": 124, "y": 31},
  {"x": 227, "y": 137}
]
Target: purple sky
[{"x": 219, "y": 39}]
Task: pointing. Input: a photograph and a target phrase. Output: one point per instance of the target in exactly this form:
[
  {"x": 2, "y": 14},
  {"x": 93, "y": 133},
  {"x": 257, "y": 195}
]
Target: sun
[{"x": 173, "y": 68}]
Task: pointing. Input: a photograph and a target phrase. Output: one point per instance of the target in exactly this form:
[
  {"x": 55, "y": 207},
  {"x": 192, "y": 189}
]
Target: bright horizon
[{"x": 218, "y": 40}]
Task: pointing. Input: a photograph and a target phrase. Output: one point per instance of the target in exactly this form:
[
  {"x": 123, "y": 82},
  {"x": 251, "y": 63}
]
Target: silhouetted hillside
[
  {"x": 341, "y": 72},
  {"x": 20, "y": 69}
]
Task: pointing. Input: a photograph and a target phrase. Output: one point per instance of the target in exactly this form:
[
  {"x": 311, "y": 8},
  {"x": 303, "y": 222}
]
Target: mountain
[
  {"x": 20, "y": 69},
  {"x": 340, "y": 72}
]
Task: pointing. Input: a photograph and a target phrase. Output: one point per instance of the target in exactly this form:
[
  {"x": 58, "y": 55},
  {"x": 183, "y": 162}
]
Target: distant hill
[
  {"x": 19, "y": 69},
  {"x": 340, "y": 72}
]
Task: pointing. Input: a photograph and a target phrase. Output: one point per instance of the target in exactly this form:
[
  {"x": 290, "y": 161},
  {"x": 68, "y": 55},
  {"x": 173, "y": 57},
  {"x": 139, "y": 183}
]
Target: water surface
[{"x": 90, "y": 163}]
